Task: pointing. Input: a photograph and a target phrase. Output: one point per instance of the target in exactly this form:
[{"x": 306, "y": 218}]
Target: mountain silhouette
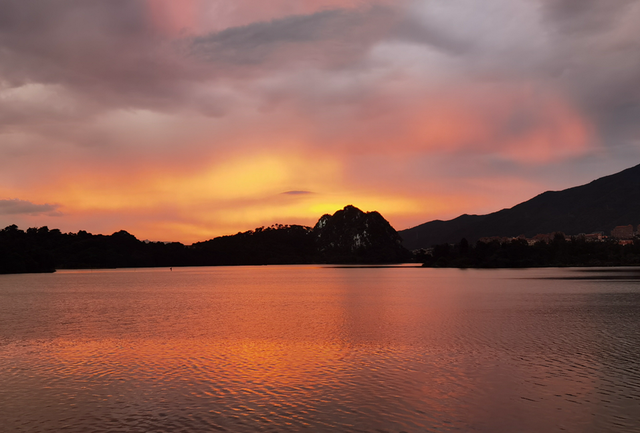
[
  {"x": 353, "y": 236},
  {"x": 597, "y": 206}
]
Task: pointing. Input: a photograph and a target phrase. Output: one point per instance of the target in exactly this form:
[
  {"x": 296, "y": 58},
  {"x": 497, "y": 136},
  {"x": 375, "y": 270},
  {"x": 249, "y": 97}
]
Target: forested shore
[{"x": 518, "y": 253}]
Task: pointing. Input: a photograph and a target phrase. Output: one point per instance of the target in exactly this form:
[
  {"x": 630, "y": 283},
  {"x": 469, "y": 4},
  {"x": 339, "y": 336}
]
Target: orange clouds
[
  {"x": 236, "y": 193},
  {"x": 229, "y": 174}
]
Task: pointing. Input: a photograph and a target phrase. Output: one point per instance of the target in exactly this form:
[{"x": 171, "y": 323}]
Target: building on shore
[{"x": 623, "y": 232}]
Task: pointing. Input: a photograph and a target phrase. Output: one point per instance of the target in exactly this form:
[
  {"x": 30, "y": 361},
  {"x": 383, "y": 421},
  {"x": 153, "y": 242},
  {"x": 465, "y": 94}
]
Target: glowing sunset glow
[{"x": 181, "y": 121}]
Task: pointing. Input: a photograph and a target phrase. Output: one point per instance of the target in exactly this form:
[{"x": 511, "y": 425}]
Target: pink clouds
[{"x": 517, "y": 122}]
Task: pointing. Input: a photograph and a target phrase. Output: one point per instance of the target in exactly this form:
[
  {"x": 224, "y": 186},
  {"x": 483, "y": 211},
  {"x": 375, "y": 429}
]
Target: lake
[{"x": 318, "y": 348}]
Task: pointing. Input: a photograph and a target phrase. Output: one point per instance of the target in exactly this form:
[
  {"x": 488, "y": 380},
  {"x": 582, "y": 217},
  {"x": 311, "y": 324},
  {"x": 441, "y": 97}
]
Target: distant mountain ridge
[{"x": 597, "y": 206}]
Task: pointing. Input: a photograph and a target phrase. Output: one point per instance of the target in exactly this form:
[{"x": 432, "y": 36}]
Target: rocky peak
[{"x": 353, "y": 236}]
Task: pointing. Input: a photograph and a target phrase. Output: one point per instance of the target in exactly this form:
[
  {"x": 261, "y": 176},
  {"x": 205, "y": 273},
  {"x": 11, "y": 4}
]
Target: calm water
[{"x": 293, "y": 348}]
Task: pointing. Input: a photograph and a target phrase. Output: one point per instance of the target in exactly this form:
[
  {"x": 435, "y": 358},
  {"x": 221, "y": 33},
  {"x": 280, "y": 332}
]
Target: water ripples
[{"x": 390, "y": 351}]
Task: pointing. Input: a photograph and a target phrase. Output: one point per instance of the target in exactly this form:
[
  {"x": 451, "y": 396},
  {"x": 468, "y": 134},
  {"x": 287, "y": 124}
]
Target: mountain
[
  {"x": 597, "y": 206},
  {"x": 353, "y": 236}
]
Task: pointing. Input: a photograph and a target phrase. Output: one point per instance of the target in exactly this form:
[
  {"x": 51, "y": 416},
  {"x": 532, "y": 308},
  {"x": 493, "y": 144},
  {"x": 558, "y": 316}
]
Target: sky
[{"x": 185, "y": 120}]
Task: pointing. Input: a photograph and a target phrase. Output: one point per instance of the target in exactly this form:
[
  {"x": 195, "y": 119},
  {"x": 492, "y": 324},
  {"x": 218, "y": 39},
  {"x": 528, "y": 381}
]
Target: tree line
[
  {"x": 45, "y": 250},
  {"x": 518, "y": 253}
]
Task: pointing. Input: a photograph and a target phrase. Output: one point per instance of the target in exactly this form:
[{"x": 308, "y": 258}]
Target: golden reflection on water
[{"x": 287, "y": 348}]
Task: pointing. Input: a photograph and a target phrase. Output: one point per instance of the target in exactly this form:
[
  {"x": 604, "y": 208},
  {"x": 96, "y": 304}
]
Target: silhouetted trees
[
  {"x": 26, "y": 251},
  {"x": 44, "y": 250},
  {"x": 517, "y": 253},
  {"x": 279, "y": 244}
]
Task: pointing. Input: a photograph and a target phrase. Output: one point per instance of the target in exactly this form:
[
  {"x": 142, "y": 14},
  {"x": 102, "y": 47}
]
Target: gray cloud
[
  {"x": 585, "y": 16},
  {"x": 104, "y": 53},
  {"x": 596, "y": 59},
  {"x": 325, "y": 38},
  {"x": 108, "y": 53},
  {"x": 411, "y": 30},
  {"x": 23, "y": 207},
  {"x": 297, "y": 193}
]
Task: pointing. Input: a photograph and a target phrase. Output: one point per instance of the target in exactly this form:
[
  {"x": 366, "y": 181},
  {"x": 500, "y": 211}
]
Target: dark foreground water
[{"x": 301, "y": 348}]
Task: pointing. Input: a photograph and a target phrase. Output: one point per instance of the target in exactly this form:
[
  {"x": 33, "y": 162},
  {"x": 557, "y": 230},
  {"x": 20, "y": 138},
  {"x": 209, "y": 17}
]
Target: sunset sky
[{"x": 184, "y": 120}]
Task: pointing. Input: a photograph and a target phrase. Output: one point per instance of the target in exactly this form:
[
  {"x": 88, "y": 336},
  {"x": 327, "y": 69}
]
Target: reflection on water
[
  {"x": 614, "y": 273},
  {"x": 324, "y": 349}
]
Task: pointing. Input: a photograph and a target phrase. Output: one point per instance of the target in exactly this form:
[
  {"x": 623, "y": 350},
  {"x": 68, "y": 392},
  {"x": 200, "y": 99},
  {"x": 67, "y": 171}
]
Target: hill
[
  {"x": 597, "y": 206},
  {"x": 353, "y": 236}
]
